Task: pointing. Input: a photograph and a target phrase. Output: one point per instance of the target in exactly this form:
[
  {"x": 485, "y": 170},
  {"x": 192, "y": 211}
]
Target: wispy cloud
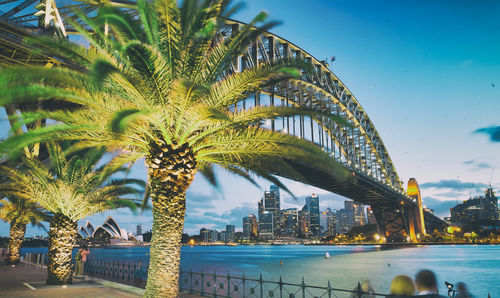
[
  {"x": 492, "y": 131},
  {"x": 476, "y": 165},
  {"x": 451, "y": 194},
  {"x": 453, "y": 184},
  {"x": 216, "y": 220}
]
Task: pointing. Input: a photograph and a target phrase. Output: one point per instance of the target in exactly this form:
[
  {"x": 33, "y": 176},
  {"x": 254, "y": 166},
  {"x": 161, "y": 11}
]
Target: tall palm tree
[
  {"x": 71, "y": 189},
  {"x": 161, "y": 86},
  {"x": 19, "y": 213}
]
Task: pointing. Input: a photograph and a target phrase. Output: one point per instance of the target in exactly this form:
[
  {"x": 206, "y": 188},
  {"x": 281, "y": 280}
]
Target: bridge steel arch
[{"x": 373, "y": 179}]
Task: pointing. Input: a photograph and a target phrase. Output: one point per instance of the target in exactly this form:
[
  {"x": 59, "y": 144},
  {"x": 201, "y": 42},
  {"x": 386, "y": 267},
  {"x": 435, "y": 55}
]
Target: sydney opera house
[{"x": 108, "y": 233}]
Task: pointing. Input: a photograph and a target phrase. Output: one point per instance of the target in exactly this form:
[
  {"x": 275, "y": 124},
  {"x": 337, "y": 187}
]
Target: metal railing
[
  {"x": 209, "y": 284},
  {"x": 133, "y": 273},
  {"x": 216, "y": 285},
  {"x": 37, "y": 260}
]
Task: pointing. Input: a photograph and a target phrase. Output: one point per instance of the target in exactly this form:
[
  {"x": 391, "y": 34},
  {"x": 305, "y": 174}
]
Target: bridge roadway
[{"x": 366, "y": 174}]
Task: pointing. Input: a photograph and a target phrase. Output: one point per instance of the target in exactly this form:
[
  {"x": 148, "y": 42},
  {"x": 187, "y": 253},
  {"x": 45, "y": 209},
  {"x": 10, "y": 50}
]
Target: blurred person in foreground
[
  {"x": 402, "y": 285},
  {"x": 365, "y": 286},
  {"x": 462, "y": 291},
  {"x": 426, "y": 284}
]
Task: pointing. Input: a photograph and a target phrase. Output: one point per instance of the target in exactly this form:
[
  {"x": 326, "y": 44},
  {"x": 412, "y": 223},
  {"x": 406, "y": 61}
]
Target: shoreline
[{"x": 382, "y": 245}]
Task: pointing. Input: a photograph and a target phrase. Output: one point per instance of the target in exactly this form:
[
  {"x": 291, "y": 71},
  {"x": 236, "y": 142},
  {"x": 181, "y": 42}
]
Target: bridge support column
[{"x": 390, "y": 222}]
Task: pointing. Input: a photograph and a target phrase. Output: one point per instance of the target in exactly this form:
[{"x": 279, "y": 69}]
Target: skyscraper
[
  {"x": 230, "y": 233},
  {"x": 246, "y": 228},
  {"x": 290, "y": 222},
  {"x": 138, "y": 229},
  {"x": 342, "y": 224},
  {"x": 250, "y": 227},
  {"x": 304, "y": 222},
  {"x": 266, "y": 226},
  {"x": 327, "y": 222},
  {"x": 271, "y": 203},
  {"x": 355, "y": 213},
  {"x": 312, "y": 203},
  {"x": 370, "y": 216}
]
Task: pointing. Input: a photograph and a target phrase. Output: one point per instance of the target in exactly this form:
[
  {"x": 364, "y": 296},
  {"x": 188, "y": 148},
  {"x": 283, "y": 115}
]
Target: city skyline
[{"x": 428, "y": 86}]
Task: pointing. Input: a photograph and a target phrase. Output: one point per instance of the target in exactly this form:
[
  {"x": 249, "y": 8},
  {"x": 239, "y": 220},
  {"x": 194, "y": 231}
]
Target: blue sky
[{"x": 426, "y": 72}]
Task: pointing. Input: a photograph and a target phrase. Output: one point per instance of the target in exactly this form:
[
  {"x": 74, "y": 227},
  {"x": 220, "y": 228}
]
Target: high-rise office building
[
  {"x": 355, "y": 213},
  {"x": 290, "y": 219},
  {"x": 249, "y": 227},
  {"x": 230, "y": 233},
  {"x": 304, "y": 222},
  {"x": 312, "y": 203},
  {"x": 370, "y": 216},
  {"x": 327, "y": 221},
  {"x": 342, "y": 222},
  {"x": 271, "y": 203},
  {"x": 209, "y": 235},
  {"x": 138, "y": 230},
  {"x": 266, "y": 225},
  {"x": 222, "y": 236}
]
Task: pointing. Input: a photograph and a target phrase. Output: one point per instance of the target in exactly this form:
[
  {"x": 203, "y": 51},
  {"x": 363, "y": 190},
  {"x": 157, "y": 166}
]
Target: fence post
[
  {"x": 243, "y": 284},
  {"x": 41, "y": 266},
  {"x": 202, "y": 283},
  {"x": 359, "y": 290},
  {"x": 261, "y": 289},
  {"x": 37, "y": 260},
  {"x": 329, "y": 289},
  {"x": 215, "y": 284},
  {"x": 228, "y": 285},
  {"x": 191, "y": 281},
  {"x": 303, "y": 286},
  {"x": 281, "y": 287}
]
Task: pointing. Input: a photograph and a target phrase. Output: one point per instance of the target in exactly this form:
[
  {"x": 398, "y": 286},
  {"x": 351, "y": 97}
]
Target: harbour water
[{"x": 478, "y": 266}]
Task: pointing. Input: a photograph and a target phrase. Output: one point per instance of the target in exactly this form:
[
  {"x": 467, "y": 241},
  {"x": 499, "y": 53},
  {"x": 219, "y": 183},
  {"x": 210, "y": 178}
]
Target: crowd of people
[{"x": 424, "y": 285}]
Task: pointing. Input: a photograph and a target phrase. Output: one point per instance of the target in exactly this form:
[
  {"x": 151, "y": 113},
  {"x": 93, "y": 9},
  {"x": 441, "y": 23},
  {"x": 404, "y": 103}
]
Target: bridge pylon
[{"x": 416, "y": 220}]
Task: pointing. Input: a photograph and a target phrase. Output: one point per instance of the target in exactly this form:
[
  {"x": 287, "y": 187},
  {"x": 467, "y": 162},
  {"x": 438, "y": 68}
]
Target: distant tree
[
  {"x": 147, "y": 236},
  {"x": 18, "y": 213},
  {"x": 185, "y": 238}
]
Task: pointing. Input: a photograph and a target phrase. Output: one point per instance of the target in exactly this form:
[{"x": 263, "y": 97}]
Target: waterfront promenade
[{"x": 23, "y": 281}]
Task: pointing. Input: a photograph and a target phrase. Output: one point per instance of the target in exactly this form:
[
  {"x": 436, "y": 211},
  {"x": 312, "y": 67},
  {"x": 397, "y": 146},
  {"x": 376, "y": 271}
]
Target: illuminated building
[
  {"x": 312, "y": 204},
  {"x": 266, "y": 226},
  {"x": 290, "y": 226},
  {"x": 270, "y": 203},
  {"x": 477, "y": 210},
  {"x": 250, "y": 227}
]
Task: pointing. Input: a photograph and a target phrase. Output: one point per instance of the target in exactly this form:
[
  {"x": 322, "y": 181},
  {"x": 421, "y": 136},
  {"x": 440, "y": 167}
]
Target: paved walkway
[{"x": 22, "y": 281}]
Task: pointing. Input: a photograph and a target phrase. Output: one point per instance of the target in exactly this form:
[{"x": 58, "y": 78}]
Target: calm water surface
[{"x": 477, "y": 266}]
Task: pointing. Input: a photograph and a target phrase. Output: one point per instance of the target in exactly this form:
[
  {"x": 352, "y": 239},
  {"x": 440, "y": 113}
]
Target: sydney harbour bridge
[{"x": 372, "y": 178}]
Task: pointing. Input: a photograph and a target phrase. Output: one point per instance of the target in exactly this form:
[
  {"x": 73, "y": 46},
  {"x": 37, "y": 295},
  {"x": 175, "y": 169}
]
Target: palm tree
[
  {"x": 19, "y": 213},
  {"x": 161, "y": 86},
  {"x": 71, "y": 189}
]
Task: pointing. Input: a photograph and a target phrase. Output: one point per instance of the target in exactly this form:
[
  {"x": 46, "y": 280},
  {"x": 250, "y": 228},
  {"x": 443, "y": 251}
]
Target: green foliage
[
  {"x": 67, "y": 184},
  {"x": 13, "y": 209},
  {"x": 167, "y": 74}
]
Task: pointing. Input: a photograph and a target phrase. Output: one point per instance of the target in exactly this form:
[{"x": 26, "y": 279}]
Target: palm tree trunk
[
  {"x": 171, "y": 170},
  {"x": 17, "y": 231},
  {"x": 62, "y": 238}
]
